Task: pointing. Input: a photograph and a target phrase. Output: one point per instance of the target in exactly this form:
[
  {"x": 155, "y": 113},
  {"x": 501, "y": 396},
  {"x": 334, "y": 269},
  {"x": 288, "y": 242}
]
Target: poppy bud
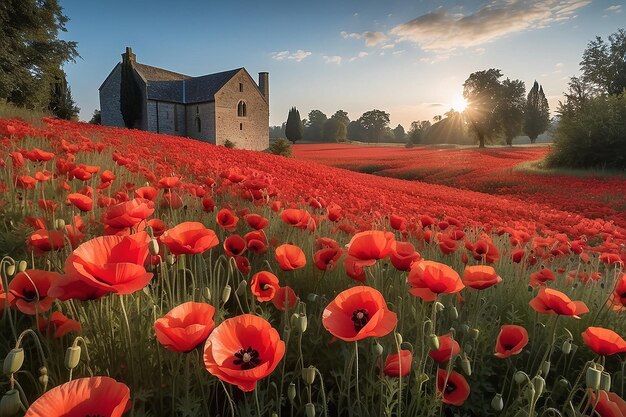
[
  {"x": 10, "y": 270},
  {"x": 567, "y": 347},
  {"x": 309, "y": 410},
  {"x": 593, "y": 378},
  {"x": 564, "y": 383},
  {"x": 301, "y": 323},
  {"x": 497, "y": 403},
  {"x": 43, "y": 371},
  {"x": 206, "y": 293},
  {"x": 466, "y": 365},
  {"x": 312, "y": 297},
  {"x": 291, "y": 391},
  {"x": 43, "y": 380},
  {"x": 22, "y": 266},
  {"x": 454, "y": 313},
  {"x": 539, "y": 383},
  {"x": 153, "y": 247},
  {"x": 10, "y": 404},
  {"x": 13, "y": 361},
  {"x": 72, "y": 357},
  {"x": 293, "y": 319},
  {"x": 226, "y": 293},
  {"x": 308, "y": 375},
  {"x": 433, "y": 341},
  {"x": 398, "y": 339},
  {"x": 241, "y": 288},
  {"x": 605, "y": 381},
  {"x": 545, "y": 368},
  {"x": 150, "y": 231},
  {"x": 274, "y": 415},
  {"x": 520, "y": 377},
  {"x": 439, "y": 306},
  {"x": 378, "y": 349},
  {"x": 59, "y": 224},
  {"x": 473, "y": 334}
]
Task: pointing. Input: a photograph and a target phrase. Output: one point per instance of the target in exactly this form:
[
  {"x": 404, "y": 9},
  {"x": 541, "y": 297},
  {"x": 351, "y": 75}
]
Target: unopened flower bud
[
  {"x": 72, "y": 357},
  {"x": 150, "y": 231},
  {"x": 291, "y": 391},
  {"x": 439, "y": 306},
  {"x": 13, "y": 361},
  {"x": 302, "y": 323},
  {"x": 398, "y": 338},
  {"x": 454, "y": 313},
  {"x": 567, "y": 347},
  {"x": 605, "y": 381},
  {"x": 59, "y": 224},
  {"x": 497, "y": 403},
  {"x": 593, "y": 378},
  {"x": 22, "y": 266},
  {"x": 466, "y": 365},
  {"x": 433, "y": 341},
  {"x": 309, "y": 410},
  {"x": 308, "y": 375},
  {"x": 312, "y": 297},
  {"x": 206, "y": 293},
  {"x": 10, "y": 270},
  {"x": 226, "y": 293},
  {"x": 241, "y": 288},
  {"x": 378, "y": 349},
  {"x": 520, "y": 377},
  {"x": 10, "y": 404},
  {"x": 540, "y": 384},
  {"x": 43, "y": 380},
  {"x": 43, "y": 370},
  {"x": 153, "y": 247},
  {"x": 545, "y": 368},
  {"x": 473, "y": 334}
]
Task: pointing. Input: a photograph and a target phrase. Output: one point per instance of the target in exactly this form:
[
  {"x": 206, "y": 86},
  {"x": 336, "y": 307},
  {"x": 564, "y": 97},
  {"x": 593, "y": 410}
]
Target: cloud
[
  {"x": 332, "y": 59},
  {"x": 443, "y": 30},
  {"x": 615, "y": 9},
  {"x": 433, "y": 104},
  {"x": 363, "y": 54},
  {"x": 437, "y": 58},
  {"x": 388, "y": 46},
  {"x": 297, "y": 56},
  {"x": 371, "y": 38}
]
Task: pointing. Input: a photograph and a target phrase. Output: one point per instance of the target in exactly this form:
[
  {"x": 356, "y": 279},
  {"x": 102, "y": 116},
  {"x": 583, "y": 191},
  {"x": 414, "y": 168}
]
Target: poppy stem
[
  {"x": 256, "y": 400},
  {"x": 356, "y": 360}
]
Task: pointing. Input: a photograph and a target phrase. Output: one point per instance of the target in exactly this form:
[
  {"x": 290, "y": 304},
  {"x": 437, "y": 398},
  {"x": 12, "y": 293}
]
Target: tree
[
  {"x": 417, "y": 131},
  {"x": 96, "y": 119},
  {"x": 356, "y": 131},
  {"x": 61, "y": 103},
  {"x": 341, "y": 116},
  {"x": 536, "y": 113},
  {"x": 294, "y": 129},
  {"x": 334, "y": 130},
  {"x": 277, "y": 132},
  {"x": 511, "y": 108},
  {"x": 437, "y": 118},
  {"x": 31, "y": 55},
  {"x": 374, "y": 122},
  {"x": 604, "y": 65},
  {"x": 399, "y": 133},
  {"x": 130, "y": 94},
  {"x": 315, "y": 125}
]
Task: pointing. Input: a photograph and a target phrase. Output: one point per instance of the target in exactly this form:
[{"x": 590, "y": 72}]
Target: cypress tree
[
  {"x": 61, "y": 102},
  {"x": 130, "y": 94},
  {"x": 294, "y": 128},
  {"x": 537, "y": 113}
]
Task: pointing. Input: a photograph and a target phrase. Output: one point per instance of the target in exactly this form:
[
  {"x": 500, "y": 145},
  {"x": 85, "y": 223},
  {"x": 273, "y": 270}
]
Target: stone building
[{"x": 213, "y": 108}]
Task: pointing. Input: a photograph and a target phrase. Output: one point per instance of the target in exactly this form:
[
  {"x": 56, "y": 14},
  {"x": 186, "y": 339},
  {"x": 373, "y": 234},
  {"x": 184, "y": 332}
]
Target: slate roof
[{"x": 170, "y": 86}]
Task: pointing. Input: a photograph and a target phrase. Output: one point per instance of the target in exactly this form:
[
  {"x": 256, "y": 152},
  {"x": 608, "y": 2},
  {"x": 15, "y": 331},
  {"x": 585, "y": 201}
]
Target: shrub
[
  {"x": 591, "y": 134},
  {"x": 228, "y": 144},
  {"x": 281, "y": 147}
]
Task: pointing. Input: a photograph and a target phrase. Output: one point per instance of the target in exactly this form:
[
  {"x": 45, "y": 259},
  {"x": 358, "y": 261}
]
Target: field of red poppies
[{"x": 150, "y": 275}]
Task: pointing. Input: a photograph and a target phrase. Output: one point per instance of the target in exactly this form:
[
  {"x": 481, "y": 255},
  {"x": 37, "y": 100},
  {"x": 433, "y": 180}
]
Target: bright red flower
[
  {"x": 264, "y": 285},
  {"x": 29, "y": 290},
  {"x": 518, "y": 255},
  {"x": 453, "y": 387},
  {"x": 296, "y": 218},
  {"x": 59, "y": 325},
  {"x": 189, "y": 238},
  {"x": 242, "y": 263},
  {"x": 429, "y": 278},
  {"x": 609, "y": 404},
  {"x": 541, "y": 277},
  {"x": 355, "y": 268},
  {"x": 511, "y": 340},
  {"x": 171, "y": 200},
  {"x": 227, "y": 219},
  {"x": 603, "y": 341},
  {"x": 358, "y": 313},
  {"x": 327, "y": 259},
  {"x": 611, "y": 258},
  {"x": 371, "y": 245},
  {"x": 95, "y": 396},
  {"x": 448, "y": 348},
  {"x": 285, "y": 298},
  {"x": 397, "y": 222},
  {"x": 185, "y": 326},
  {"x": 208, "y": 204},
  {"x": 168, "y": 182},
  {"x": 37, "y": 155},
  {"x": 147, "y": 193},
  {"x": 43, "y": 240},
  {"x": 480, "y": 277},
  {"x": 81, "y": 201},
  {"x": 107, "y": 176},
  {"x": 243, "y": 350},
  {"x": 550, "y": 301},
  {"x": 102, "y": 265},
  {"x": 618, "y": 296},
  {"x": 234, "y": 245},
  {"x": 289, "y": 257},
  {"x": 256, "y": 242},
  {"x": 398, "y": 365},
  {"x": 128, "y": 213},
  {"x": 403, "y": 254},
  {"x": 256, "y": 221}
]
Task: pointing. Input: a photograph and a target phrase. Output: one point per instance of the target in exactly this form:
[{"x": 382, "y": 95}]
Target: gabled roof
[
  {"x": 200, "y": 89},
  {"x": 150, "y": 73}
]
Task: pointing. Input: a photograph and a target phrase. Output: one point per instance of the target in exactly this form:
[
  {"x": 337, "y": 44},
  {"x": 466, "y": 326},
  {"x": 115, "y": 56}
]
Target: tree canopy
[
  {"x": 537, "y": 113},
  {"x": 604, "y": 64},
  {"x": 374, "y": 122},
  {"x": 294, "y": 127}
]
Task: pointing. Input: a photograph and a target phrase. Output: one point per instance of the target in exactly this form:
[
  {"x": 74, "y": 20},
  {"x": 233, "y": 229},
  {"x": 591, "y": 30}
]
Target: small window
[
  {"x": 240, "y": 126},
  {"x": 197, "y": 109},
  {"x": 241, "y": 109},
  {"x": 198, "y": 125},
  {"x": 241, "y": 87}
]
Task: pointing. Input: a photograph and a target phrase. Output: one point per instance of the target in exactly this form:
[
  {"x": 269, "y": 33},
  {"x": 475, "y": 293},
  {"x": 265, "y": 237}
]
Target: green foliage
[
  {"x": 130, "y": 94},
  {"x": 374, "y": 123},
  {"x": 314, "y": 127},
  {"x": 277, "y": 132},
  {"x": 31, "y": 54},
  {"x": 96, "y": 119},
  {"x": 281, "y": 147},
  {"x": 537, "y": 113},
  {"x": 294, "y": 129},
  {"x": 356, "y": 131},
  {"x": 417, "y": 130},
  {"x": 591, "y": 134},
  {"x": 399, "y": 133},
  {"x": 229, "y": 144},
  {"x": 334, "y": 131},
  {"x": 61, "y": 103},
  {"x": 11, "y": 111},
  {"x": 511, "y": 108},
  {"x": 341, "y": 116},
  {"x": 604, "y": 65}
]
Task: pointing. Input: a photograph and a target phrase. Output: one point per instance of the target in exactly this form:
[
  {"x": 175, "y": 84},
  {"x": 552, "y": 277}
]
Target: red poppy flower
[
  {"x": 402, "y": 255},
  {"x": 59, "y": 325},
  {"x": 603, "y": 341},
  {"x": 256, "y": 221},
  {"x": 128, "y": 213},
  {"x": 518, "y": 255},
  {"x": 397, "y": 222},
  {"x": 227, "y": 219},
  {"x": 147, "y": 193},
  {"x": 171, "y": 200},
  {"x": 30, "y": 291},
  {"x": 358, "y": 313},
  {"x": 81, "y": 201},
  {"x": 107, "y": 176},
  {"x": 609, "y": 404},
  {"x": 43, "y": 240},
  {"x": 610, "y": 258},
  {"x": 168, "y": 182},
  {"x": 95, "y": 396},
  {"x": 618, "y": 297},
  {"x": 289, "y": 257},
  {"x": 37, "y": 155},
  {"x": 429, "y": 278},
  {"x": 296, "y": 218},
  {"x": 354, "y": 268},
  {"x": 371, "y": 245},
  {"x": 102, "y": 265},
  {"x": 264, "y": 285},
  {"x": 398, "y": 365},
  {"x": 26, "y": 182},
  {"x": 208, "y": 204},
  {"x": 234, "y": 245},
  {"x": 511, "y": 340},
  {"x": 447, "y": 245},
  {"x": 550, "y": 301},
  {"x": 327, "y": 259},
  {"x": 285, "y": 298},
  {"x": 189, "y": 238},
  {"x": 43, "y": 175},
  {"x": 243, "y": 264},
  {"x": 448, "y": 348},
  {"x": 5, "y": 297},
  {"x": 480, "y": 277},
  {"x": 243, "y": 350},
  {"x": 185, "y": 326},
  {"x": 452, "y": 386},
  {"x": 541, "y": 277}
]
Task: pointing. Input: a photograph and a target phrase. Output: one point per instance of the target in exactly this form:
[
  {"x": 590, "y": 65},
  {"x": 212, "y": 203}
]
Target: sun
[{"x": 459, "y": 104}]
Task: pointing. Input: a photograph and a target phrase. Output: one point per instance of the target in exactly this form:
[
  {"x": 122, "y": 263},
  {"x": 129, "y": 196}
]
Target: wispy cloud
[
  {"x": 297, "y": 56},
  {"x": 444, "y": 30},
  {"x": 615, "y": 8},
  {"x": 371, "y": 38},
  {"x": 332, "y": 59}
]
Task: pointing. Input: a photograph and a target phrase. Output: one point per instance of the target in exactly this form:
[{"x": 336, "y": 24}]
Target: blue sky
[{"x": 409, "y": 58}]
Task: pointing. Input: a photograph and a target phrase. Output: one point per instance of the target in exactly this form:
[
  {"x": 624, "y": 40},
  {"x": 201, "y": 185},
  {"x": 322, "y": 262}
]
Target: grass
[
  {"x": 539, "y": 167},
  {"x": 10, "y": 111}
]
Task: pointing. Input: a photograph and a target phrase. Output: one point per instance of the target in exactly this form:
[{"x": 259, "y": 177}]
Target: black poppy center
[
  {"x": 29, "y": 295},
  {"x": 247, "y": 358},
  {"x": 508, "y": 346},
  {"x": 360, "y": 318},
  {"x": 450, "y": 387},
  {"x": 623, "y": 295}
]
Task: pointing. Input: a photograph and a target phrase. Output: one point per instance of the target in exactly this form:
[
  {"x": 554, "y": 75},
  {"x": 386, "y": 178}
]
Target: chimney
[
  {"x": 128, "y": 56},
  {"x": 264, "y": 84}
]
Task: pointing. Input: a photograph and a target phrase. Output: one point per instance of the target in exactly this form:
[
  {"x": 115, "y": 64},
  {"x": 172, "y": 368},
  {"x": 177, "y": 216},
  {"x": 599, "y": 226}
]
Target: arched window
[
  {"x": 198, "y": 125},
  {"x": 241, "y": 109}
]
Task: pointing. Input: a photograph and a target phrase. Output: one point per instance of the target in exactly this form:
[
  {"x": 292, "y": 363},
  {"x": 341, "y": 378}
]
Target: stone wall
[
  {"x": 250, "y": 131},
  {"x": 110, "y": 99},
  {"x": 171, "y": 118},
  {"x": 206, "y": 113}
]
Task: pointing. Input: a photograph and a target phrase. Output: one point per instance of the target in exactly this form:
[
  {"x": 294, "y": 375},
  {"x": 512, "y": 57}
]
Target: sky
[{"x": 408, "y": 58}]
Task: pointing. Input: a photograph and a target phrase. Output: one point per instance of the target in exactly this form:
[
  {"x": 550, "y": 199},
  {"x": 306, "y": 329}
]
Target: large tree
[
  {"x": 61, "y": 103},
  {"x": 356, "y": 131},
  {"x": 511, "y": 108},
  {"x": 31, "y": 55},
  {"x": 294, "y": 129},
  {"x": 315, "y": 125},
  {"x": 482, "y": 91},
  {"x": 374, "y": 122},
  {"x": 417, "y": 130},
  {"x": 399, "y": 134},
  {"x": 334, "y": 130},
  {"x": 342, "y": 116},
  {"x": 536, "y": 113},
  {"x": 604, "y": 64}
]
